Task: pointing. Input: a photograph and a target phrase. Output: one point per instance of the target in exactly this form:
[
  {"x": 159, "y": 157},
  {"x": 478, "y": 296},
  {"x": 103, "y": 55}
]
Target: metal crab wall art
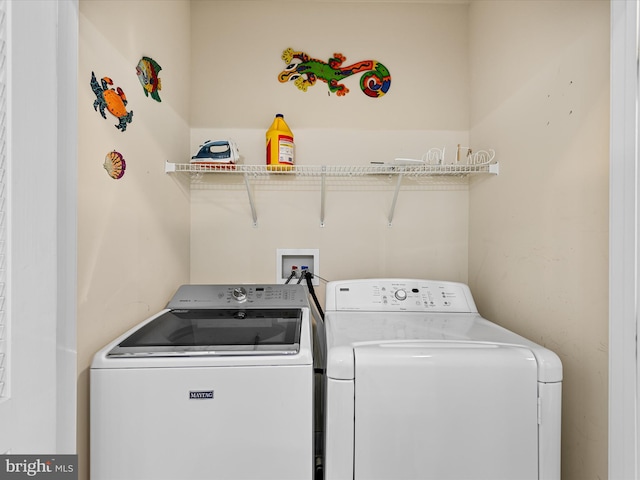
[{"x": 112, "y": 99}]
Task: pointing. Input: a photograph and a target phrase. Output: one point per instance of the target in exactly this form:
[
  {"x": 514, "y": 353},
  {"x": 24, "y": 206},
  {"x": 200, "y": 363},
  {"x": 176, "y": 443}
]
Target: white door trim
[
  {"x": 67, "y": 181},
  {"x": 42, "y": 204},
  {"x": 623, "y": 244}
]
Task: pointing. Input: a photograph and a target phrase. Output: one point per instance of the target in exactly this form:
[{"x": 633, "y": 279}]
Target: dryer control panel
[{"x": 397, "y": 295}]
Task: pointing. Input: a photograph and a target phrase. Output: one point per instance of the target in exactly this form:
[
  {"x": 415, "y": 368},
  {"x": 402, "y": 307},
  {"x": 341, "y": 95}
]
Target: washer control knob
[
  {"x": 240, "y": 294},
  {"x": 401, "y": 295}
]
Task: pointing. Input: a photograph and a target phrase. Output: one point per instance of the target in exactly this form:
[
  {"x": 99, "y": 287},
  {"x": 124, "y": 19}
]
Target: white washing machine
[
  {"x": 420, "y": 386},
  {"x": 219, "y": 385}
]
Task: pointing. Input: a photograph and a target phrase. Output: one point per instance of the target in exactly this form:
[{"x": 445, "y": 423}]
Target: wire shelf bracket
[{"x": 479, "y": 163}]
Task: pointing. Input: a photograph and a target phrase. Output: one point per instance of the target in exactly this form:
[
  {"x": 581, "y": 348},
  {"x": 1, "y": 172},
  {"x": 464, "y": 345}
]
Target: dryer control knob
[
  {"x": 240, "y": 294},
  {"x": 401, "y": 295}
]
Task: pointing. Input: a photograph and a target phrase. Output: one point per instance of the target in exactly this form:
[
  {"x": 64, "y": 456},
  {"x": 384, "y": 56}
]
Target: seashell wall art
[{"x": 114, "y": 164}]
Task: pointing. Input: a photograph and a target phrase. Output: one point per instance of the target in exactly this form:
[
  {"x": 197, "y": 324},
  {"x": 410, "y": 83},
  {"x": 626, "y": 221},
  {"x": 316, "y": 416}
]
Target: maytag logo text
[{"x": 201, "y": 395}]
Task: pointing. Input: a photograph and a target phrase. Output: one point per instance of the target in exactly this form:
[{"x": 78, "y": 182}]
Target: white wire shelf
[
  {"x": 432, "y": 164},
  {"x": 336, "y": 170}
]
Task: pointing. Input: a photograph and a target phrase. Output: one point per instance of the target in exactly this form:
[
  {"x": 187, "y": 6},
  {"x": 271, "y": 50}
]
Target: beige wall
[
  {"x": 538, "y": 248},
  {"x": 236, "y": 58},
  {"x": 236, "y": 94},
  {"x": 532, "y": 242},
  {"x": 133, "y": 233}
]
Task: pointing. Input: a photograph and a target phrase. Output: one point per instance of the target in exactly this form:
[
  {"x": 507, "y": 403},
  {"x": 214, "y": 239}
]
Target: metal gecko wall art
[{"x": 304, "y": 71}]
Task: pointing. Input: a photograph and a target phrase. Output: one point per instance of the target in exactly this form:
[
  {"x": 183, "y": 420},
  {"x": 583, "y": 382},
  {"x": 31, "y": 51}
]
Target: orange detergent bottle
[{"x": 280, "y": 146}]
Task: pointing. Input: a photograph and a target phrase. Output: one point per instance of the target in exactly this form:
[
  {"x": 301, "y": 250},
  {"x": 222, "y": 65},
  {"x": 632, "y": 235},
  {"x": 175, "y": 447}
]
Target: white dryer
[
  {"x": 420, "y": 386},
  {"x": 219, "y": 385}
]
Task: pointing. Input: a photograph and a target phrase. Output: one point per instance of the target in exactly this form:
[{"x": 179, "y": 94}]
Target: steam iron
[{"x": 219, "y": 152}]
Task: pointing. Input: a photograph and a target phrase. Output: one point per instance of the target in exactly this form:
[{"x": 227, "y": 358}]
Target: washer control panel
[
  {"x": 396, "y": 295},
  {"x": 225, "y": 296}
]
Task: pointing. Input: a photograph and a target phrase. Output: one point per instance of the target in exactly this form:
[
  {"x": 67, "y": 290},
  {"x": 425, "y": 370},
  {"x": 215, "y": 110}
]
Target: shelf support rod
[
  {"x": 323, "y": 195},
  {"x": 395, "y": 199},
  {"x": 251, "y": 203}
]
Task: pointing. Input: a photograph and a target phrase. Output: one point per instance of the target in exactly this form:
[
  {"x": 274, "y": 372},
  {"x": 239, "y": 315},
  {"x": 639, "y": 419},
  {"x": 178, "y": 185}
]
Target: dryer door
[{"x": 445, "y": 410}]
